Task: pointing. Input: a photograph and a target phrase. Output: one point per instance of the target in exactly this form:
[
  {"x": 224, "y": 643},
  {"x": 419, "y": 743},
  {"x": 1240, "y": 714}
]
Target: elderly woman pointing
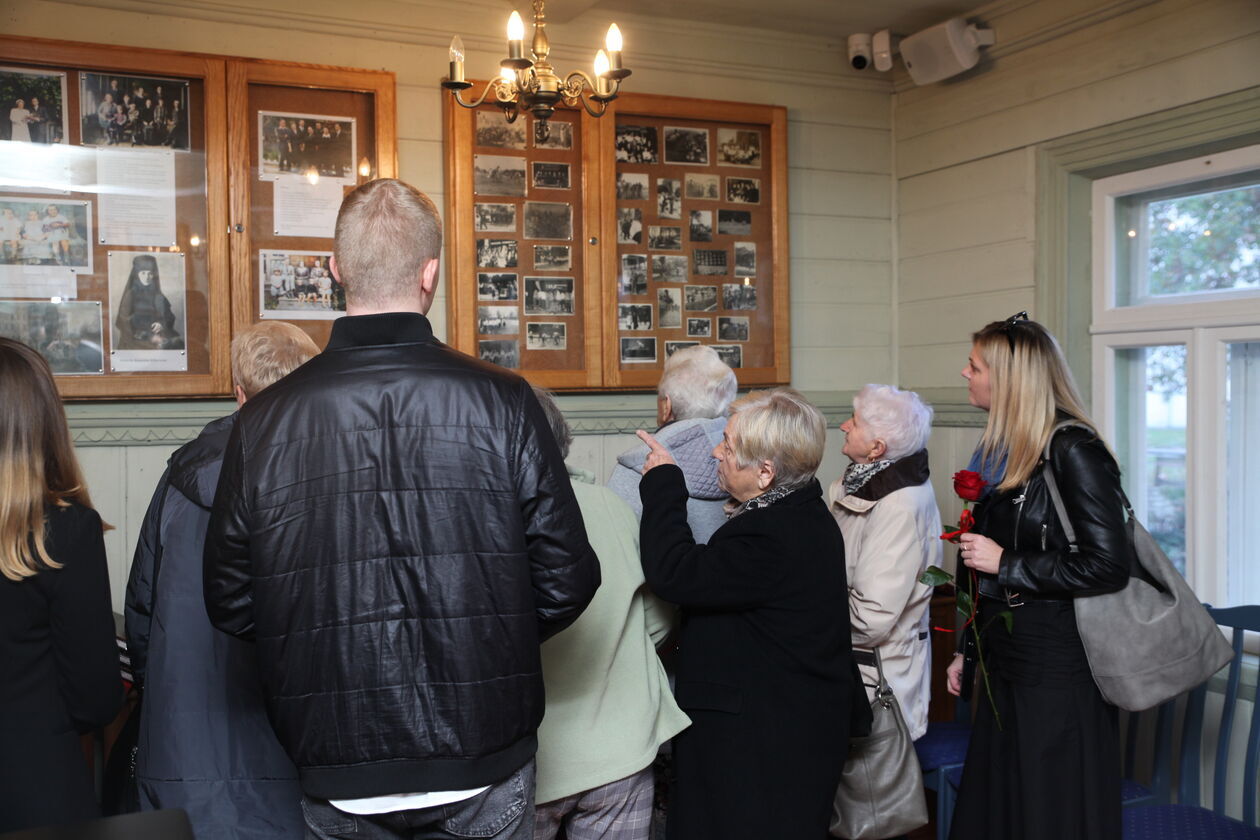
[{"x": 764, "y": 671}]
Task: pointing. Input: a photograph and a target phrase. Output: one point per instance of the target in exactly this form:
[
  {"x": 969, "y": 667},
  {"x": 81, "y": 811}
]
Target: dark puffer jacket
[
  {"x": 1036, "y": 560},
  {"x": 395, "y": 527}
]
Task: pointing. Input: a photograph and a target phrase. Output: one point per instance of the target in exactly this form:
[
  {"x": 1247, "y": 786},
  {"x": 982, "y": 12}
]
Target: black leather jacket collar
[{"x": 376, "y": 330}]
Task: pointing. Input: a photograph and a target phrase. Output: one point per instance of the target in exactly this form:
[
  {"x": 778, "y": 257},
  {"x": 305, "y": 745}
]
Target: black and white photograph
[
  {"x": 709, "y": 262},
  {"x": 496, "y": 253},
  {"x": 732, "y": 328},
  {"x": 133, "y": 111},
  {"x": 738, "y": 147},
  {"x": 745, "y": 259},
  {"x": 686, "y": 145},
  {"x": 36, "y": 102},
  {"x": 699, "y": 327},
  {"x": 703, "y": 187},
  {"x": 497, "y": 287},
  {"x": 494, "y": 218},
  {"x": 298, "y": 285},
  {"x": 701, "y": 225},
  {"x": 493, "y": 130},
  {"x": 669, "y": 198},
  {"x": 542, "y": 335},
  {"x": 672, "y": 347},
  {"x": 498, "y": 320},
  {"x": 550, "y": 176},
  {"x": 669, "y": 308},
  {"x": 636, "y": 144},
  {"x": 302, "y": 145},
  {"x": 734, "y": 222},
  {"x": 548, "y": 220},
  {"x": 67, "y": 334},
  {"x": 629, "y": 226},
  {"x": 552, "y": 258},
  {"x": 499, "y": 352},
  {"x": 638, "y": 349},
  {"x": 665, "y": 237},
  {"x": 555, "y": 133},
  {"x": 743, "y": 190},
  {"x": 498, "y": 175},
  {"x": 669, "y": 268},
  {"x": 548, "y": 295},
  {"x": 731, "y": 354},
  {"x": 700, "y": 298},
  {"x": 41, "y": 231},
  {"x": 739, "y": 296},
  {"x": 632, "y": 186},
  {"x": 634, "y": 316},
  {"x": 634, "y": 274},
  {"x": 146, "y": 297}
]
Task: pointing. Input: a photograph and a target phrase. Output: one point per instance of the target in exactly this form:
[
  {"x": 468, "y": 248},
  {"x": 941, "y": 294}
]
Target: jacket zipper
[
  {"x": 1044, "y": 526},
  {"x": 1019, "y": 514}
]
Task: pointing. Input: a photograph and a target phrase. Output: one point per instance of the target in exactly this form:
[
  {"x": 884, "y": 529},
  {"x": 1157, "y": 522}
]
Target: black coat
[
  {"x": 765, "y": 667},
  {"x": 1036, "y": 561},
  {"x": 59, "y": 675},
  {"x": 395, "y": 527},
  {"x": 205, "y": 743}
]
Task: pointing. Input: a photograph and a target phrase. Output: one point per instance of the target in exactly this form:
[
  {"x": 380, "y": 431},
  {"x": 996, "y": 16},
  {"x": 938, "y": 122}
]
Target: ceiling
[{"x": 807, "y": 17}]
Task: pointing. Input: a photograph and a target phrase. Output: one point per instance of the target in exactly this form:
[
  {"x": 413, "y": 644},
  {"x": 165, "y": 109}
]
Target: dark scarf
[
  {"x": 910, "y": 471},
  {"x": 774, "y": 494}
]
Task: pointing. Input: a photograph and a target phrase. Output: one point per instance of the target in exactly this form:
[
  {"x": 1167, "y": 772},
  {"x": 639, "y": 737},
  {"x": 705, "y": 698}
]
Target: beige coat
[{"x": 888, "y": 543}]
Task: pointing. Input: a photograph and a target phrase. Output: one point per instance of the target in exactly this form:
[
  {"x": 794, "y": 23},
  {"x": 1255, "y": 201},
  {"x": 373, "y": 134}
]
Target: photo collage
[
  {"x": 92, "y": 257},
  {"x": 526, "y": 222},
  {"x": 689, "y": 224}
]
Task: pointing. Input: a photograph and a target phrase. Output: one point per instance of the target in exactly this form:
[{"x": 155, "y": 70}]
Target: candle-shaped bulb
[
  {"x": 613, "y": 40},
  {"x": 601, "y": 64},
  {"x": 508, "y": 75},
  {"x": 516, "y": 27},
  {"x": 457, "y": 49}
]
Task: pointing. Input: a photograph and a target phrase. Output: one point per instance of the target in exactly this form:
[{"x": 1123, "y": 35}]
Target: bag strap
[{"x": 871, "y": 657}]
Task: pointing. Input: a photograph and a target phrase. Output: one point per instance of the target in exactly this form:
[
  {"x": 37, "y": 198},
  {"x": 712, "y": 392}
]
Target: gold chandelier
[{"x": 532, "y": 85}]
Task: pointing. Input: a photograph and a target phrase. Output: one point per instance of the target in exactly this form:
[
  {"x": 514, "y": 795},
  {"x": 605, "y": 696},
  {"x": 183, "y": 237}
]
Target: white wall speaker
[{"x": 944, "y": 50}]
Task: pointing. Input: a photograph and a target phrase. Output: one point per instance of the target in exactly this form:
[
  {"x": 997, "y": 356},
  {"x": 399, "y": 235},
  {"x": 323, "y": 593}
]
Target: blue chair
[
  {"x": 1188, "y": 818},
  {"x": 941, "y": 750}
]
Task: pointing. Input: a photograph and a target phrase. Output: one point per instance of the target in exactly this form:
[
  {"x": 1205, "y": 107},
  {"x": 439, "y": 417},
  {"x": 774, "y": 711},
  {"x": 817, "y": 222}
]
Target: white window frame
[{"x": 1205, "y": 323}]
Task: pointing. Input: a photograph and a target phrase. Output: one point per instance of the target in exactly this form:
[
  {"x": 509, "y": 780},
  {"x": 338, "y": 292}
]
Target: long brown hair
[
  {"x": 38, "y": 466},
  {"x": 1029, "y": 382}
]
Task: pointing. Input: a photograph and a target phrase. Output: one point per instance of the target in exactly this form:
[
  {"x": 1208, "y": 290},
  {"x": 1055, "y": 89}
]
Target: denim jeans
[{"x": 504, "y": 812}]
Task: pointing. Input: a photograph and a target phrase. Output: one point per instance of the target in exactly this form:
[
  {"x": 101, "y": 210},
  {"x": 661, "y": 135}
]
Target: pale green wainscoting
[{"x": 123, "y": 447}]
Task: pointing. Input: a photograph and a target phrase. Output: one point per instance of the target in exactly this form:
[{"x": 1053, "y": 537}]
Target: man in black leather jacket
[{"x": 395, "y": 528}]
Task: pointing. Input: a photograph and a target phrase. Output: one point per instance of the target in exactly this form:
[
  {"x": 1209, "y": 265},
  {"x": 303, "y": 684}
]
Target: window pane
[
  {"x": 1242, "y": 471},
  {"x": 1189, "y": 239},
  {"x": 1151, "y": 440}
]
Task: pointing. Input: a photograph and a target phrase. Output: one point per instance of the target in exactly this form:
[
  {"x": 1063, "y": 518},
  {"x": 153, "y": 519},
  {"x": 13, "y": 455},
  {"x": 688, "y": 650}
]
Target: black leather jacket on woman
[
  {"x": 395, "y": 527},
  {"x": 1036, "y": 559}
]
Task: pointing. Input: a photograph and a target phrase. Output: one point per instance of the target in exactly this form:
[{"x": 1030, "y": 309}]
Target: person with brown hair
[
  {"x": 59, "y": 674},
  {"x": 204, "y": 738},
  {"x": 1044, "y": 757}
]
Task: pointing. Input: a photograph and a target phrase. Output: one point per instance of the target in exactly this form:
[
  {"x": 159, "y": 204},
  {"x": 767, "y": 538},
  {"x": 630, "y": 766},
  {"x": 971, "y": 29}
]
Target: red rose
[
  {"x": 969, "y": 485},
  {"x": 966, "y": 522}
]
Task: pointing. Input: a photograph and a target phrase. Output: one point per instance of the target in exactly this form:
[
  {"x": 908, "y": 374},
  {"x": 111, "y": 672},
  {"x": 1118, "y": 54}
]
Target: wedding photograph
[
  {"x": 687, "y": 145},
  {"x": 636, "y": 144},
  {"x": 36, "y": 101},
  {"x": 498, "y": 175}
]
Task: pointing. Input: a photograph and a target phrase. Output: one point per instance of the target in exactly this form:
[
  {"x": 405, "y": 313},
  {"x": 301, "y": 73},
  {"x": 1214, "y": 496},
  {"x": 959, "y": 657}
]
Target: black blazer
[
  {"x": 765, "y": 664},
  {"x": 58, "y": 675}
]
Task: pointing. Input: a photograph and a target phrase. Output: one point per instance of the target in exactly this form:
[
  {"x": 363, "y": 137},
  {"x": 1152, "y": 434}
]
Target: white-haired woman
[
  {"x": 887, "y": 512},
  {"x": 695, "y": 390},
  {"x": 764, "y": 670}
]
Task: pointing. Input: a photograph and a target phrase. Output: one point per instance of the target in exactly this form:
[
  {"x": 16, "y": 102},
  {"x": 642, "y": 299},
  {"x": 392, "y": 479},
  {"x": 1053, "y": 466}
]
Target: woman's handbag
[
  {"x": 1152, "y": 640},
  {"x": 881, "y": 791}
]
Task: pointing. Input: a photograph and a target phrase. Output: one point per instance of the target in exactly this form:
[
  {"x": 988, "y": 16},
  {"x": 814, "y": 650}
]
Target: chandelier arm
[
  {"x": 491, "y": 85},
  {"x": 603, "y": 106}
]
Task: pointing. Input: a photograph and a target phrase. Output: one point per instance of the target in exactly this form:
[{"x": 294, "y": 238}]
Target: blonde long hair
[
  {"x": 1029, "y": 382},
  {"x": 37, "y": 462}
]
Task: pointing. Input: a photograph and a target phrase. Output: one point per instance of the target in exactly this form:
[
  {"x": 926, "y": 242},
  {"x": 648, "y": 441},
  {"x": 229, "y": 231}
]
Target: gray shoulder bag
[
  {"x": 881, "y": 791},
  {"x": 1152, "y": 640}
]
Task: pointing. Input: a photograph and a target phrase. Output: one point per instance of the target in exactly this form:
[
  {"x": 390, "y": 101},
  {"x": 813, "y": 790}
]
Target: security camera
[{"x": 860, "y": 51}]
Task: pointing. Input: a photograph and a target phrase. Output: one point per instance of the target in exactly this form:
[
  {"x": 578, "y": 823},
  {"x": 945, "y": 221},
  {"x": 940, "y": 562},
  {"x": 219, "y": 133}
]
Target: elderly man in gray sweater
[{"x": 695, "y": 390}]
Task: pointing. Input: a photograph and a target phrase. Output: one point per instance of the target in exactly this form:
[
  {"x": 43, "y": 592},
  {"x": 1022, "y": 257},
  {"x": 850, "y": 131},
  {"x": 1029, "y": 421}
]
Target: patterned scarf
[
  {"x": 774, "y": 494},
  {"x": 856, "y": 475}
]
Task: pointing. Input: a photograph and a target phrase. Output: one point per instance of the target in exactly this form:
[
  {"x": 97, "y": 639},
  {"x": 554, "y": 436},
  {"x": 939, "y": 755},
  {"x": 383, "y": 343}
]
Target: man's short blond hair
[
  {"x": 386, "y": 232},
  {"x": 267, "y": 352},
  {"x": 782, "y": 427}
]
